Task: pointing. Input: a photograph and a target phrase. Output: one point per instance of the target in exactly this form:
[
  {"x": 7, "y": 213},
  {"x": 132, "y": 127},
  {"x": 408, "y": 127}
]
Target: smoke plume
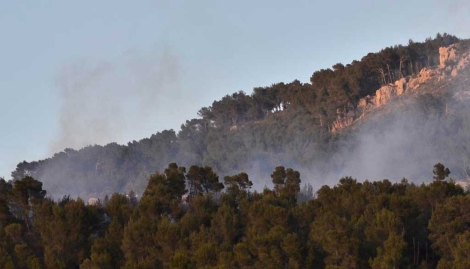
[{"x": 104, "y": 101}]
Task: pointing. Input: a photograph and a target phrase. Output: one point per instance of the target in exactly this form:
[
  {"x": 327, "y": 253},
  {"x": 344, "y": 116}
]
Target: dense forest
[
  {"x": 193, "y": 219},
  {"x": 289, "y": 124}
]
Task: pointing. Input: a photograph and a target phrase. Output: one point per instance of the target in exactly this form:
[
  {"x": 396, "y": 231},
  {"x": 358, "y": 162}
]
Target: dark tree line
[{"x": 193, "y": 219}]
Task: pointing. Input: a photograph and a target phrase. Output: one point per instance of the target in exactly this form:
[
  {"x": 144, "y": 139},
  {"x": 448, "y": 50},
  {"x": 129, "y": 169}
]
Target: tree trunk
[{"x": 390, "y": 78}]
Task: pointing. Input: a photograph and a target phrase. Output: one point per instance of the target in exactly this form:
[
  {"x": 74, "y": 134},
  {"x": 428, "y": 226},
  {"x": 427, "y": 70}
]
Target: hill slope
[{"x": 353, "y": 119}]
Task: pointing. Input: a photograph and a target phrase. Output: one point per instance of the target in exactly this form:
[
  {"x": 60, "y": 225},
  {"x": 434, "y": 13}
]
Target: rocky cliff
[{"x": 452, "y": 60}]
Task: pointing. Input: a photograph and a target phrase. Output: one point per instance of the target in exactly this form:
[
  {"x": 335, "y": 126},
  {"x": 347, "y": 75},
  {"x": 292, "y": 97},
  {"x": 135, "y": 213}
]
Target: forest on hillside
[
  {"x": 194, "y": 219},
  {"x": 288, "y": 124}
]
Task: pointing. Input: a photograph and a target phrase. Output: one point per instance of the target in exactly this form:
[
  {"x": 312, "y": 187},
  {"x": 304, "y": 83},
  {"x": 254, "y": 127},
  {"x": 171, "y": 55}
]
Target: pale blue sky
[{"x": 212, "y": 48}]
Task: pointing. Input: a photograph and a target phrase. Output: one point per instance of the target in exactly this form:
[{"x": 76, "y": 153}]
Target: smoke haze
[
  {"x": 103, "y": 101},
  {"x": 403, "y": 139}
]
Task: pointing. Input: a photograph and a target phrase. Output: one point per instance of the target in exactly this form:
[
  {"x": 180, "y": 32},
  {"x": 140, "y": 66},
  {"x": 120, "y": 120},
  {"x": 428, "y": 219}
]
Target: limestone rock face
[
  {"x": 464, "y": 60},
  {"x": 446, "y": 55},
  {"x": 344, "y": 118},
  {"x": 387, "y": 92},
  {"x": 384, "y": 94},
  {"x": 363, "y": 102},
  {"x": 341, "y": 123},
  {"x": 454, "y": 72},
  {"x": 452, "y": 59},
  {"x": 424, "y": 75},
  {"x": 401, "y": 85}
]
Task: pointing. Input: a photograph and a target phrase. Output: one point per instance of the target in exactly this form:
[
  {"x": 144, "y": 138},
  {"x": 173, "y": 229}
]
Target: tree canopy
[{"x": 370, "y": 224}]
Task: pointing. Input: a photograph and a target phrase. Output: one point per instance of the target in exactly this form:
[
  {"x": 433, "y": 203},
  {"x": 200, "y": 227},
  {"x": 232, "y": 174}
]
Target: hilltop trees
[
  {"x": 24, "y": 194},
  {"x": 449, "y": 232},
  {"x": 286, "y": 182},
  {"x": 350, "y": 225},
  {"x": 65, "y": 229},
  {"x": 203, "y": 180}
]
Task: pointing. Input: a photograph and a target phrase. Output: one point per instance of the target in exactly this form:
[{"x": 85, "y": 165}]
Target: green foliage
[
  {"x": 6, "y": 217},
  {"x": 390, "y": 256},
  {"x": 350, "y": 225},
  {"x": 106, "y": 251},
  {"x": 449, "y": 225},
  {"x": 24, "y": 194},
  {"x": 139, "y": 245},
  {"x": 65, "y": 232},
  {"x": 203, "y": 180},
  {"x": 440, "y": 171},
  {"x": 240, "y": 181}
]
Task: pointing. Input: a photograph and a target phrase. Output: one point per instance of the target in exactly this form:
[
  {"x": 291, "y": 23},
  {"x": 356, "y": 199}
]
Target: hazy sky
[{"x": 74, "y": 73}]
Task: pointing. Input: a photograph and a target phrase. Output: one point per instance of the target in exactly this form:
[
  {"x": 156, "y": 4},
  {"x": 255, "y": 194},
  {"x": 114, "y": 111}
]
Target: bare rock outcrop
[
  {"x": 387, "y": 92},
  {"x": 425, "y": 75},
  {"x": 366, "y": 101},
  {"x": 447, "y": 55},
  {"x": 401, "y": 85},
  {"x": 341, "y": 123},
  {"x": 390, "y": 91},
  {"x": 451, "y": 60},
  {"x": 384, "y": 94},
  {"x": 344, "y": 118},
  {"x": 464, "y": 60}
]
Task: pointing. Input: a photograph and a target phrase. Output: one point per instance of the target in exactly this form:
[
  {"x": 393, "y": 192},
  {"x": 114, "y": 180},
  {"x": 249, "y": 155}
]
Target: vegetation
[
  {"x": 285, "y": 123},
  {"x": 193, "y": 220}
]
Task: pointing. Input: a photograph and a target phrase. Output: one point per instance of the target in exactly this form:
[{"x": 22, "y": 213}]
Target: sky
[{"x": 77, "y": 73}]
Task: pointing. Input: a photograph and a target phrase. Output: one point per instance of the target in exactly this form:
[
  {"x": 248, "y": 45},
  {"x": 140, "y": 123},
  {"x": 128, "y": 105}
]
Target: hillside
[{"x": 392, "y": 114}]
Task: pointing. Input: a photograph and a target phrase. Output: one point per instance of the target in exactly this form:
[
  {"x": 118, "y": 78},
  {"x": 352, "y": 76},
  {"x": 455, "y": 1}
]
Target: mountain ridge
[{"x": 285, "y": 124}]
